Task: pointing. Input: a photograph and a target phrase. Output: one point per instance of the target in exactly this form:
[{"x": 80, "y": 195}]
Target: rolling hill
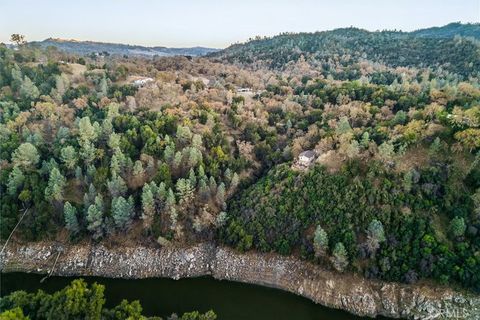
[
  {"x": 434, "y": 48},
  {"x": 88, "y": 47}
]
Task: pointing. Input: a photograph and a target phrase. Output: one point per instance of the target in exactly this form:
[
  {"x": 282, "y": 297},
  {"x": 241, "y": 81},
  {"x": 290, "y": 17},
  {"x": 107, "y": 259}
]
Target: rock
[{"x": 343, "y": 291}]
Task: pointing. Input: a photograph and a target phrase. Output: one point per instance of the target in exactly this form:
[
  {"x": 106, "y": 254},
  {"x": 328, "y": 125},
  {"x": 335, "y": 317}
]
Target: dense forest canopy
[
  {"x": 207, "y": 150},
  {"x": 442, "y": 50}
]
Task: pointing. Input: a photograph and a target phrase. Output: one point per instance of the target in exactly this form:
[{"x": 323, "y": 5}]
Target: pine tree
[
  {"x": 170, "y": 198},
  {"x": 88, "y": 152},
  {"x": 122, "y": 211},
  {"x": 116, "y": 186},
  {"x": 56, "y": 184},
  {"x": 228, "y": 175},
  {"x": 86, "y": 131},
  {"x": 386, "y": 151},
  {"x": 365, "y": 140},
  {"x": 114, "y": 141},
  {"x": 458, "y": 226},
  {"x": 78, "y": 173},
  {"x": 103, "y": 87},
  {"x": 203, "y": 189},
  {"x": 162, "y": 191},
  {"x": 177, "y": 160},
  {"x": 201, "y": 172},
  {"x": 95, "y": 217},
  {"x": 71, "y": 221},
  {"x": 221, "y": 219},
  {"x": 169, "y": 153},
  {"x": 192, "y": 178},
  {"x": 184, "y": 135},
  {"x": 69, "y": 157},
  {"x": 375, "y": 229},
  {"x": 25, "y": 156},
  {"x": 138, "y": 169},
  {"x": 15, "y": 180},
  {"x": 343, "y": 126},
  {"x": 320, "y": 241},
  {"x": 340, "y": 257},
  {"x": 148, "y": 205},
  {"x": 28, "y": 90},
  {"x": 221, "y": 193},
  {"x": 197, "y": 141},
  {"x": 375, "y": 236},
  {"x": 213, "y": 185},
  {"x": 194, "y": 156},
  {"x": 185, "y": 191},
  {"x": 235, "y": 181}
]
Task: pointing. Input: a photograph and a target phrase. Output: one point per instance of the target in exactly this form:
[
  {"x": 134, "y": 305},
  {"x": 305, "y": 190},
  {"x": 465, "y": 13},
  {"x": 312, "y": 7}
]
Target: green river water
[{"x": 159, "y": 296}]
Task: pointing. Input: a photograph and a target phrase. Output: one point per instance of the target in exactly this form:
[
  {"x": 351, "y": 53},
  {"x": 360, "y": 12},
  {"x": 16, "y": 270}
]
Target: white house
[
  {"x": 142, "y": 82},
  {"x": 306, "y": 157}
]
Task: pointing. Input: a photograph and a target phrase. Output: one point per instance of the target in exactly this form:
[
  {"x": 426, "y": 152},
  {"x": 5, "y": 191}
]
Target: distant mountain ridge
[
  {"x": 436, "y": 48},
  {"x": 88, "y": 47},
  {"x": 450, "y": 30}
]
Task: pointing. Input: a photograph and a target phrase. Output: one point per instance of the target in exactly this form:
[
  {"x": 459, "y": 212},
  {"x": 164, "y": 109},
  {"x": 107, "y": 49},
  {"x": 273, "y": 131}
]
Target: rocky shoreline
[{"x": 342, "y": 291}]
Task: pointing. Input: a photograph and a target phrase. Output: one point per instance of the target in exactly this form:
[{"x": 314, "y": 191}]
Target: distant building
[
  {"x": 306, "y": 158},
  {"x": 142, "y": 82}
]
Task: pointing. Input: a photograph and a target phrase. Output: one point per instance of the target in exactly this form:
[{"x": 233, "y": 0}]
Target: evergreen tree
[
  {"x": 169, "y": 153},
  {"x": 203, "y": 189},
  {"x": 194, "y": 156},
  {"x": 15, "y": 180},
  {"x": 25, "y": 156},
  {"x": 185, "y": 191},
  {"x": 28, "y": 90},
  {"x": 343, "y": 126},
  {"x": 114, "y": 141},
  {"x": 340, "y": 257},
  {"x": 162, "y": 191},
  {"x": 197, "y": 141},
  {"x": 201, "y": 172},
  {"x": 86, "y": 131},
  {"x": 184, "y": 135},
  {"x": 375, "y": 236},
  {"x": 138, "y": 168},
  {"x": 228, "y": 175},
  {"x": 235, "y": 181},
  {"x": 88, "y": 152},
  {"x": 458, "y": 226},
  {"x": 320, "y": 241},
  {"x": 69, "y": 157},
  {"x": 95, "y": 217},
  {"x": 213, "y": 185},
  {"x": 221, "y": 193},
  {"x": 122, "y": 211},
  {"x": 56, "y": 184},
  {"x": 148, "y": 205},
  {"x": 177, "y": 160},
  {"x": 192, "y": 178},
  {"x": 70, "y": 214},
  {"x": 116, "y": 186}
]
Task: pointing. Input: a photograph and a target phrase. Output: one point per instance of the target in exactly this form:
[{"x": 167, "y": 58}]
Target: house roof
[{"x": 308, "y": 154}]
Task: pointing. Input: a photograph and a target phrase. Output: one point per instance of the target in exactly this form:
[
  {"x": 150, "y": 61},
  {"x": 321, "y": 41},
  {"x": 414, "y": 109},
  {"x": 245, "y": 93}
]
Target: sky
[{"x": 187, "y": 23}]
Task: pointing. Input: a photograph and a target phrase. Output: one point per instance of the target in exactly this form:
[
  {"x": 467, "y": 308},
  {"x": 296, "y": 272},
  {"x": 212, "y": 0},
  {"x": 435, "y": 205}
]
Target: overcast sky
[{"x": 180, "y": 23}]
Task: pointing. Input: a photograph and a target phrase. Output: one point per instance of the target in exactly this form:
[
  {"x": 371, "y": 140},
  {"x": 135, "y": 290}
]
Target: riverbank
[{"x": 342, "y": 291}]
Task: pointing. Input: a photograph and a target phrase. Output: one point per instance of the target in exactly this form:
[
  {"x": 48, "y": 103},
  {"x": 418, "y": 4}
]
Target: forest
[
  {"x": 206, "y": 150},
  {"x": 78, "y": 300}
]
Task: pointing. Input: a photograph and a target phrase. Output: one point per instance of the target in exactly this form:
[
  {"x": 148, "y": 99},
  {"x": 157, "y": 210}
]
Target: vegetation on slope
[
  {"x": 446, "y": 56},
  {"x": 203, "y": 152}
]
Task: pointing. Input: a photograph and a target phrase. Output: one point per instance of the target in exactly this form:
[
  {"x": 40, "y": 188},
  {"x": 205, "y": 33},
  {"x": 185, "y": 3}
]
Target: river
[{"x": 160, "y": 296}]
